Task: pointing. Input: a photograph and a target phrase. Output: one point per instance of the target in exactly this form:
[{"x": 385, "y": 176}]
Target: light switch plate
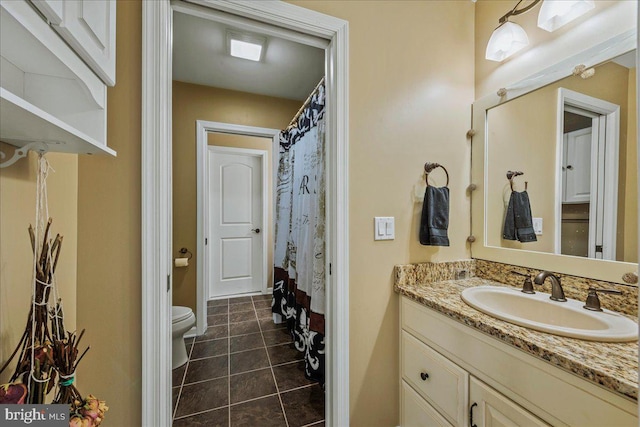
[
  {"x": 537, "y": 226},
  {"x": 384, "y": 228}
]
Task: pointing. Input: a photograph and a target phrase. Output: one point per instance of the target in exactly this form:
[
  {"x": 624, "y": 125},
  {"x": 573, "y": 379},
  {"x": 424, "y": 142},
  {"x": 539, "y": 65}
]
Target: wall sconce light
[
  {"x": 556, "y": 13},
  {"x": 510, "y": 37}
]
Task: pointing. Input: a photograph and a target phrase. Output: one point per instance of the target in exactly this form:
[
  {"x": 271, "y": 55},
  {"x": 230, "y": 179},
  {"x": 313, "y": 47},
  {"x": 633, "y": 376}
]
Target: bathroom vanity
[{"x": 460, "y": 367}]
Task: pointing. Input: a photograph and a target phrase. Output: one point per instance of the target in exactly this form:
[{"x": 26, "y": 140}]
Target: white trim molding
[
  {"x": 607, "y": 184},
  {"x": 156, "y": 195},
  {"x": 202, "y": 253},
  {"x": 156, "y": 214}
]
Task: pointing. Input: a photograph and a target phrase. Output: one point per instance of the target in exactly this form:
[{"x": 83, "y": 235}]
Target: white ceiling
[
  {"x": 288, "y": 70},
  {"x": 626, "y": 60}
]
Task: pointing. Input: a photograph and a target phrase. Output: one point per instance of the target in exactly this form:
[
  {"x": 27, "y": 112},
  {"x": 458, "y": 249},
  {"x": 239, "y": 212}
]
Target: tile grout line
[
  {"x": 299, "y": 388},
  {"x": 284, "y": 414},
  {"x": 253, "y": 399},
  {"x": 182, "y": 417},
  {"x": 207, "y": 380},
  {"x": 234, "y": 404},
  {"x": 184, "y": 375},
  {"x": 239, "y": 335}
]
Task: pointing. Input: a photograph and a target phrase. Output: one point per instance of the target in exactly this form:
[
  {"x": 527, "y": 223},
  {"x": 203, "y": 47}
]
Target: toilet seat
[{"x": 179, "y": 313}]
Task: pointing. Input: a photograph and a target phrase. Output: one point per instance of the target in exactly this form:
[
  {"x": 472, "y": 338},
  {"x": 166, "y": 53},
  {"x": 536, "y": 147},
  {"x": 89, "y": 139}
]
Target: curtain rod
[{"x": 293, "y": 121}]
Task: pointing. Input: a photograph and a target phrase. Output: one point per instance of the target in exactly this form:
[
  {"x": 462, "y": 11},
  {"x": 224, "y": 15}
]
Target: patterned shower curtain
[{"x": 299, "y": 256}]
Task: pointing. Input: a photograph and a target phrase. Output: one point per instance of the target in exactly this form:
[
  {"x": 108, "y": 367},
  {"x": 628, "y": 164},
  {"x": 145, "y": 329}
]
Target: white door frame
[
  {"x": 203, "y": 128},
  {"x": 611, "y": 134},
  {"x": 157, "y": 29}
]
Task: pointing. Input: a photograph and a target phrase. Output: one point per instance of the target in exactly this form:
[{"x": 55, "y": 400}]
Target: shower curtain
[{"x": 299, "y": 255}]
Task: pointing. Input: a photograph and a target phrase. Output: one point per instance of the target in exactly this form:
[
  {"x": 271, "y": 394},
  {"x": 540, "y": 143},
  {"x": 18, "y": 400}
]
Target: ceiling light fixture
[
  {"x": 246, "y": 46},
  {"x": 510, "y": 37}
]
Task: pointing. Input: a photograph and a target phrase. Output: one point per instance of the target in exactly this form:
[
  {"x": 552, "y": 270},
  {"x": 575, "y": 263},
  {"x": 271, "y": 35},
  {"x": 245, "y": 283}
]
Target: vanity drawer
[
  {"x": 439, "y": 381},
  {"x": 416, "y": 412}
]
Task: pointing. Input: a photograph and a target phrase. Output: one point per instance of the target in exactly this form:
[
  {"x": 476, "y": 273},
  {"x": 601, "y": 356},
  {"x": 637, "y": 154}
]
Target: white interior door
[{"x": 236, "y": 212}]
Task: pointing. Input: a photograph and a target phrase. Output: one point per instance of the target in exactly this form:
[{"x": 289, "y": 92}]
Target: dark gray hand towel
[
  {"x": 518, "y": 224},
  {"x": 435, "y": 217}
]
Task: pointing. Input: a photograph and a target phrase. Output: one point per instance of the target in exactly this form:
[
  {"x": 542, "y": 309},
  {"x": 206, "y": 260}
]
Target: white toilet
[{"x": 182, "y": 319}]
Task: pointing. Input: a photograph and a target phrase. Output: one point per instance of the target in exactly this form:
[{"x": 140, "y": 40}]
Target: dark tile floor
[{"x": 244, "y": 371}]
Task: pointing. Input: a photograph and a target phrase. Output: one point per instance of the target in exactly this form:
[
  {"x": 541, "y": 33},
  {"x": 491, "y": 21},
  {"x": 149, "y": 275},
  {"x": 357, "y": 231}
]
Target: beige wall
[
  {"x": 109, "y": 248},
  {"x": 17, "y": 212},
  {"x": 522, "y": 136},
  {"x": 631, "y": 176},
  {"x": 411, "y": 87},
  {"x": 193, "y": 102}
]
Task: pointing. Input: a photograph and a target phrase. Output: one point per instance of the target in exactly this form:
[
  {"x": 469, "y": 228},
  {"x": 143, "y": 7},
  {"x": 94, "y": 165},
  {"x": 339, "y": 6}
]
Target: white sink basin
[{"x": 537, "y": 311}]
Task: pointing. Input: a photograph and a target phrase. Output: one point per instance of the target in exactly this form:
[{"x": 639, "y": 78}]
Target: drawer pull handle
[
  {"x": 424, "y": 376},
  {"x": 471, "y": 415}
]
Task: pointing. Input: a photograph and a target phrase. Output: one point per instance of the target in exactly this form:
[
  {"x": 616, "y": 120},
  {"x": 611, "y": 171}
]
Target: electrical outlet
[{"x": 537, "y": 226}]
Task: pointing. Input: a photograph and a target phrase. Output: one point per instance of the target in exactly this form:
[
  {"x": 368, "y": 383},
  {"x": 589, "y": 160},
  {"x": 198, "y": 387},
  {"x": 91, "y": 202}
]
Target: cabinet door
[
  {"x": 89, "y": 27},
  {"x": 577, "y": 166},
  {"x": 491, "y": 409},
  {"x": 416, "y": 412},
  {"x": 438, "y": 380},
  {"x": 53, "y": 10}
]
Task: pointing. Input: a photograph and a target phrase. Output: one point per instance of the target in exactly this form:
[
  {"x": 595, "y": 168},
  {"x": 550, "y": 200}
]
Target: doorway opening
[
  {"x": 157, "y": 195},
  {"x": 212, "y": 137},
  {"x": 588, "y": 151}
]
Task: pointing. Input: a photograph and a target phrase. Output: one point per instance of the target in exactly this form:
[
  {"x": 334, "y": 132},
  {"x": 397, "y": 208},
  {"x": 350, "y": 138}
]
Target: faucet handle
[
  {"x": 527, "y": 285},
  {"x": 593, "y": 302}
]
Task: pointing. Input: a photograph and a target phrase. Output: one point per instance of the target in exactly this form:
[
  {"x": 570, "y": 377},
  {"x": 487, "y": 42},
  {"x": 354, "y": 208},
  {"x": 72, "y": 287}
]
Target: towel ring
[
  {"x": 513, "y": 174},
  {"x": 429, "y": 167}
]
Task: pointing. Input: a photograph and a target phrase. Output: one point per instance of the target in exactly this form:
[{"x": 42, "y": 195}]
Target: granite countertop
[{"x": 611, "y": 365}]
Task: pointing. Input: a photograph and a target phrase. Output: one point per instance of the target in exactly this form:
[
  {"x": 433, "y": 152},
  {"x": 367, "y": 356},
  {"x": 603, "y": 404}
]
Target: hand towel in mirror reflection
[{"x": 518, "y": 224}]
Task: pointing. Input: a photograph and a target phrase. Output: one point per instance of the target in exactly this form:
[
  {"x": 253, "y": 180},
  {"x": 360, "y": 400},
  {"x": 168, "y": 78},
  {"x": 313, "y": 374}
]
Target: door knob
[
  {"x": 570, "y": 167},
  {"x": 256, "y": 230}
]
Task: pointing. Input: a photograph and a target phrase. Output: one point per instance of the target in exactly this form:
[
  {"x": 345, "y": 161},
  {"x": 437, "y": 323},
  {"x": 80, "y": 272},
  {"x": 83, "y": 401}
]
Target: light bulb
[
  {"x": 556, "y": 13},
  {"x": 506, "y": 40}
]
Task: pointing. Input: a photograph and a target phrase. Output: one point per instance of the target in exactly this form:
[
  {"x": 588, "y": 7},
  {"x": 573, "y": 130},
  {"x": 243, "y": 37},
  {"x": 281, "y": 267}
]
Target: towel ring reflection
[
  {"x": 513, "y": 174},
  {"x": 429, "y": 167}
]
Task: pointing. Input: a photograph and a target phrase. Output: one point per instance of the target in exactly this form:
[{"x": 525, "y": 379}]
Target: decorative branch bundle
[
  {"x": 47, "y": 352},
  {"x": 36, "y": 337}
]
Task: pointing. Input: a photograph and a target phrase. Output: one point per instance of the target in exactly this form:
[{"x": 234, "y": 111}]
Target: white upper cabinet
[
  {"x": 89, "y": 27},
  {"x": 48, "y": 93}
]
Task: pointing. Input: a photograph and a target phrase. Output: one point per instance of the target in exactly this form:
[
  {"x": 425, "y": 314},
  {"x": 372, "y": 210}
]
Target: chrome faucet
[{"x": 557, "y": 294}]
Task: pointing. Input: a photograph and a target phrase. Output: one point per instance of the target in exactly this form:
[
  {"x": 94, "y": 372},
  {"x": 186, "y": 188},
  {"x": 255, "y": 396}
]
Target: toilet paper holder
[{"x": 185, "y": 251}]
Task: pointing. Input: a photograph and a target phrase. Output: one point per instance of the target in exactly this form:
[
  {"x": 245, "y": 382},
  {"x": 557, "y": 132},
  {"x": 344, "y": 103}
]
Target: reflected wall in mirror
[{"x": 576, "y": 142}]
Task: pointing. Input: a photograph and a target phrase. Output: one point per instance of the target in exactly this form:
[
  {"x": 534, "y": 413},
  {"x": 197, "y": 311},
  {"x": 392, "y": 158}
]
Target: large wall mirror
[{"x": 570, "y": 133}]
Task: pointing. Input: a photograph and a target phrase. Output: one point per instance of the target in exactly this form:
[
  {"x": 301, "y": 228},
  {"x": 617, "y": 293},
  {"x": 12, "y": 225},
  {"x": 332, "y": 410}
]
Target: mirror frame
[{"x": 610, "y": 271}]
